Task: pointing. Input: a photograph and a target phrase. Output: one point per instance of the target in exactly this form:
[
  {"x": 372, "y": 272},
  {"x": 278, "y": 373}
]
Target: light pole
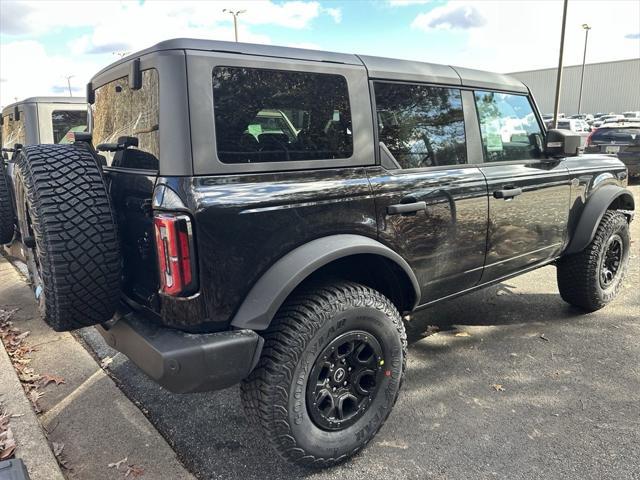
[
  {"x": 235, "y": 14},
  {"x": 69, "y": 77},
  {"x": 584, "y": 58},
  {"x": 556, "y": 107}
]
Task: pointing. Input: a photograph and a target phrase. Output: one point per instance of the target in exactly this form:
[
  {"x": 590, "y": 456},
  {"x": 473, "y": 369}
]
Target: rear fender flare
[
  {"x": 593, "y": 212},
  {"x": 276, "y": 284}
]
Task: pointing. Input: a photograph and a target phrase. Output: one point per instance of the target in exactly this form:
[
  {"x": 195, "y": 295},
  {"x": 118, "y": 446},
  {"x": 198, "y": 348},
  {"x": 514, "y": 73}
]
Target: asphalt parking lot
[{"x": 516, "y": 384}]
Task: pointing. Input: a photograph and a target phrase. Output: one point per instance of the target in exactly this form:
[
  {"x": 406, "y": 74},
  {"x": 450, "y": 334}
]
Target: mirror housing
[{"x": 562, "y": 143}]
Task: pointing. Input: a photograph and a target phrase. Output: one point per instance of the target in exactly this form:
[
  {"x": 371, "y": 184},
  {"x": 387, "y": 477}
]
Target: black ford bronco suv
[{"x": 266, "y": 215}]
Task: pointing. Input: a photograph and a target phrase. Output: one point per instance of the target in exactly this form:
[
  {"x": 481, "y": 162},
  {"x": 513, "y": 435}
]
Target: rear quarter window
[
  {"x": 66, "y": 122},
  {"x": 279, "y": 116}
]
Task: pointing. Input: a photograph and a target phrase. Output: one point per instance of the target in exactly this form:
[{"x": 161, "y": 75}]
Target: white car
[
  {"x": 604, "y": 118},
  {"x": 575, "y": 125},
  {"x": 632, "y": 115}
]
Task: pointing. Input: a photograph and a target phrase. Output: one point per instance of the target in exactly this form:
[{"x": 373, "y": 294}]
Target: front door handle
[
  {"x": 507, "y": 193},
  {"x": 403, "y": 208}
]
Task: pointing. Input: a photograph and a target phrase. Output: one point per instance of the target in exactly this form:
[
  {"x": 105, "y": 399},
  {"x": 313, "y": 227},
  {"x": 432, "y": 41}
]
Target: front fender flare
[
  {"x": 271, "y": 290},
  {"x": 593, "y": 212}
]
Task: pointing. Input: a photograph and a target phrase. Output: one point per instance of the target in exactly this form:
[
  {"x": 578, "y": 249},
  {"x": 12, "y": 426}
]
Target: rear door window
[
  {"x": 509, "y": 127},
  {"x": 66, "y": 122},
  {"x": 278, "y": 116},
  {"x": 119, "y": 111},
  {"x": 422, "y": 126}
]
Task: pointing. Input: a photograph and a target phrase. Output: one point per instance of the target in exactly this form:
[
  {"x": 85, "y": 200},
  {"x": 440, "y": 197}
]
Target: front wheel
[
  {"x": 592, "y": 278},
  {"x": 330, "y": 372}
]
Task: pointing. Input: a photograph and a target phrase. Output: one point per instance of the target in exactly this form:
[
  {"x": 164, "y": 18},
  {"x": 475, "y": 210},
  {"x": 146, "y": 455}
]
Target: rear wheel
[
  {"x": 593, "y": 277},
  {"x": 330, "y": 372},
  {"x": 69, "y": 234},
  {"x": 6, "y": 210}
]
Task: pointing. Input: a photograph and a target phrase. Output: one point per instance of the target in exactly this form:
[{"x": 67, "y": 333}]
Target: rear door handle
[
  {"x": 402, "y": 208},
  {"x": 507, "y": 193}
]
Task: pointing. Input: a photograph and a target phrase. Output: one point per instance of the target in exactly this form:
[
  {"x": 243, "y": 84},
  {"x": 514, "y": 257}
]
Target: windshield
[
  {"x": 120, "y": 111},
  {"x": 65, "y": 122}
]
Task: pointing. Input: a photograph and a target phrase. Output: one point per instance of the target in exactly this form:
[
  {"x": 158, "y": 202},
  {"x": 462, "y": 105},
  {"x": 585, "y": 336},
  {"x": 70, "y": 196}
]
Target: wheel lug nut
[{"x": 345, "y": 384}]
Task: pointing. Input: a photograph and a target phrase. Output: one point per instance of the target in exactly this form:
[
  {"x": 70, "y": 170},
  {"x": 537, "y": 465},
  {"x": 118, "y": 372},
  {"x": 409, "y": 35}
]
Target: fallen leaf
[
  {"x": 117, "y": 464},
  {"x": 34, "y": 396},
  {"x": 462, "y": 334},
  {"x": 57, "y": 448},
  {"x": 46, "y": 379},
  {"x": 134, "y": 471},
  {"x": 28, "y": 377},
  {"x": 106, "y": 361},
  {"x": 497, "y": 387},
  {"x": 57, "y": 451}
]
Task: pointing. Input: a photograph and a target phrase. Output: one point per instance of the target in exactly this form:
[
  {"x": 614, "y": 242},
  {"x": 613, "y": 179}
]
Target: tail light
[
  {"x": 588, "y": 141},
  {"x": 176, "y": 255}
]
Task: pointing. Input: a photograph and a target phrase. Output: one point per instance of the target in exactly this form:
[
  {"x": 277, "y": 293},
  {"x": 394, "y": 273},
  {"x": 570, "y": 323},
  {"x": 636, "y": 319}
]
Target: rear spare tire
[
  {"x": 6, "y": 212},
  {"x": 69, "y": 234}
]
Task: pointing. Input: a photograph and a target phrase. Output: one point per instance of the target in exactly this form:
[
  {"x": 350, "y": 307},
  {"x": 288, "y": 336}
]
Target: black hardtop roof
[
  {"x": 66, "y": 100},
  {"x": 378, "y": 67}
]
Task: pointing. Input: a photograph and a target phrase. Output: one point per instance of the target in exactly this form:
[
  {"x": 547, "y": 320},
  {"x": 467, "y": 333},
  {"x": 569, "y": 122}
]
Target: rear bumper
[{"x": 184, "y": 362}]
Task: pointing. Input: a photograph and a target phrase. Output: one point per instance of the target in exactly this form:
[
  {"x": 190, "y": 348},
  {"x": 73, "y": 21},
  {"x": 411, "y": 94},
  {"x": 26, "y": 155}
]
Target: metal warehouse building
[{"x": 608, "y": 87}]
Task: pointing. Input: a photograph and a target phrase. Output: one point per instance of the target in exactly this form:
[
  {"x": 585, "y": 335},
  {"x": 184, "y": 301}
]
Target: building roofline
[{"x": 572, "y": 66}]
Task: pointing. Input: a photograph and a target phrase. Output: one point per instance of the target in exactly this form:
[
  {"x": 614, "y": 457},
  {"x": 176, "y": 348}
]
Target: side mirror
[{"x": 562, "y": 143}]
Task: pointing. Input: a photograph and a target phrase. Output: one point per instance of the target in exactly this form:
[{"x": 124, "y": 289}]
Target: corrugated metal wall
[{"x": 608, "y": 87}]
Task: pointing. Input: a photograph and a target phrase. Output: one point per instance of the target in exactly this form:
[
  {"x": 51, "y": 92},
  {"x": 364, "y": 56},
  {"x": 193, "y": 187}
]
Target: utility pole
[
  {"x": 235, "y": 14},
  {"x": 69, "y": 77},
  {"x": 556, "y": 107},
  {"x": 584, "y": 58}
]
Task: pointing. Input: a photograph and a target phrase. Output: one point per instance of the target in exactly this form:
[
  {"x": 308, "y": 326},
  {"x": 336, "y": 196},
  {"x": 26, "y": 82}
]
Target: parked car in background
[
  {"x": 578, "y": 126},
  {"x": 587, "y": 117},
  {"x": 604, "y": 118},
  {"x": 618, "y": 118},
  {"x": 621, "y": 139},
  {"x": 635, "y": 114},
  {"x": 33, "y": 121}
]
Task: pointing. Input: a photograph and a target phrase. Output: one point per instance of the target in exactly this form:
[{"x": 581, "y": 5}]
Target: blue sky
[{"x": 41, "y": 42}]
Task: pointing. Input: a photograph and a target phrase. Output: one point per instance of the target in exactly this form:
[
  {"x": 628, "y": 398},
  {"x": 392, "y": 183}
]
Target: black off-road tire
[
  {"x": 6, "y": 208},
  {"x": 579, "y": 274},
  {"x": 64, "y": 210},
  {"x": 275, "y": 394}
]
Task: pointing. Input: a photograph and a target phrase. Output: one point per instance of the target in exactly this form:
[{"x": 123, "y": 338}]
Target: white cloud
[
  {"x": 525, "y": 35},
  {"x": 124, "y": 26},
  {"x": 334, "y": 13},
  {"x": 405, "y": 3},
  {"x": 449, "y": 17},
  {"x": 42, "y": 74}
]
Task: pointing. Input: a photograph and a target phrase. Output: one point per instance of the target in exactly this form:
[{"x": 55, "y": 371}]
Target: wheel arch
[
  {"x": 609, "y": 197},
  {"x": 352, "y": 257}
]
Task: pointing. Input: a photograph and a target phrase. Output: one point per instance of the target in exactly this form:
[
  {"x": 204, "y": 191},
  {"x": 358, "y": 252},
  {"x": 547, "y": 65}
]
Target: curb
[{"x": 32, "y": 444}]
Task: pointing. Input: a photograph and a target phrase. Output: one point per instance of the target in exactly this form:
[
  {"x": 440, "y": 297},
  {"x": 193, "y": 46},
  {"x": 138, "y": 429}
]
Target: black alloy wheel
[{"x": 344, "y": 380}]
